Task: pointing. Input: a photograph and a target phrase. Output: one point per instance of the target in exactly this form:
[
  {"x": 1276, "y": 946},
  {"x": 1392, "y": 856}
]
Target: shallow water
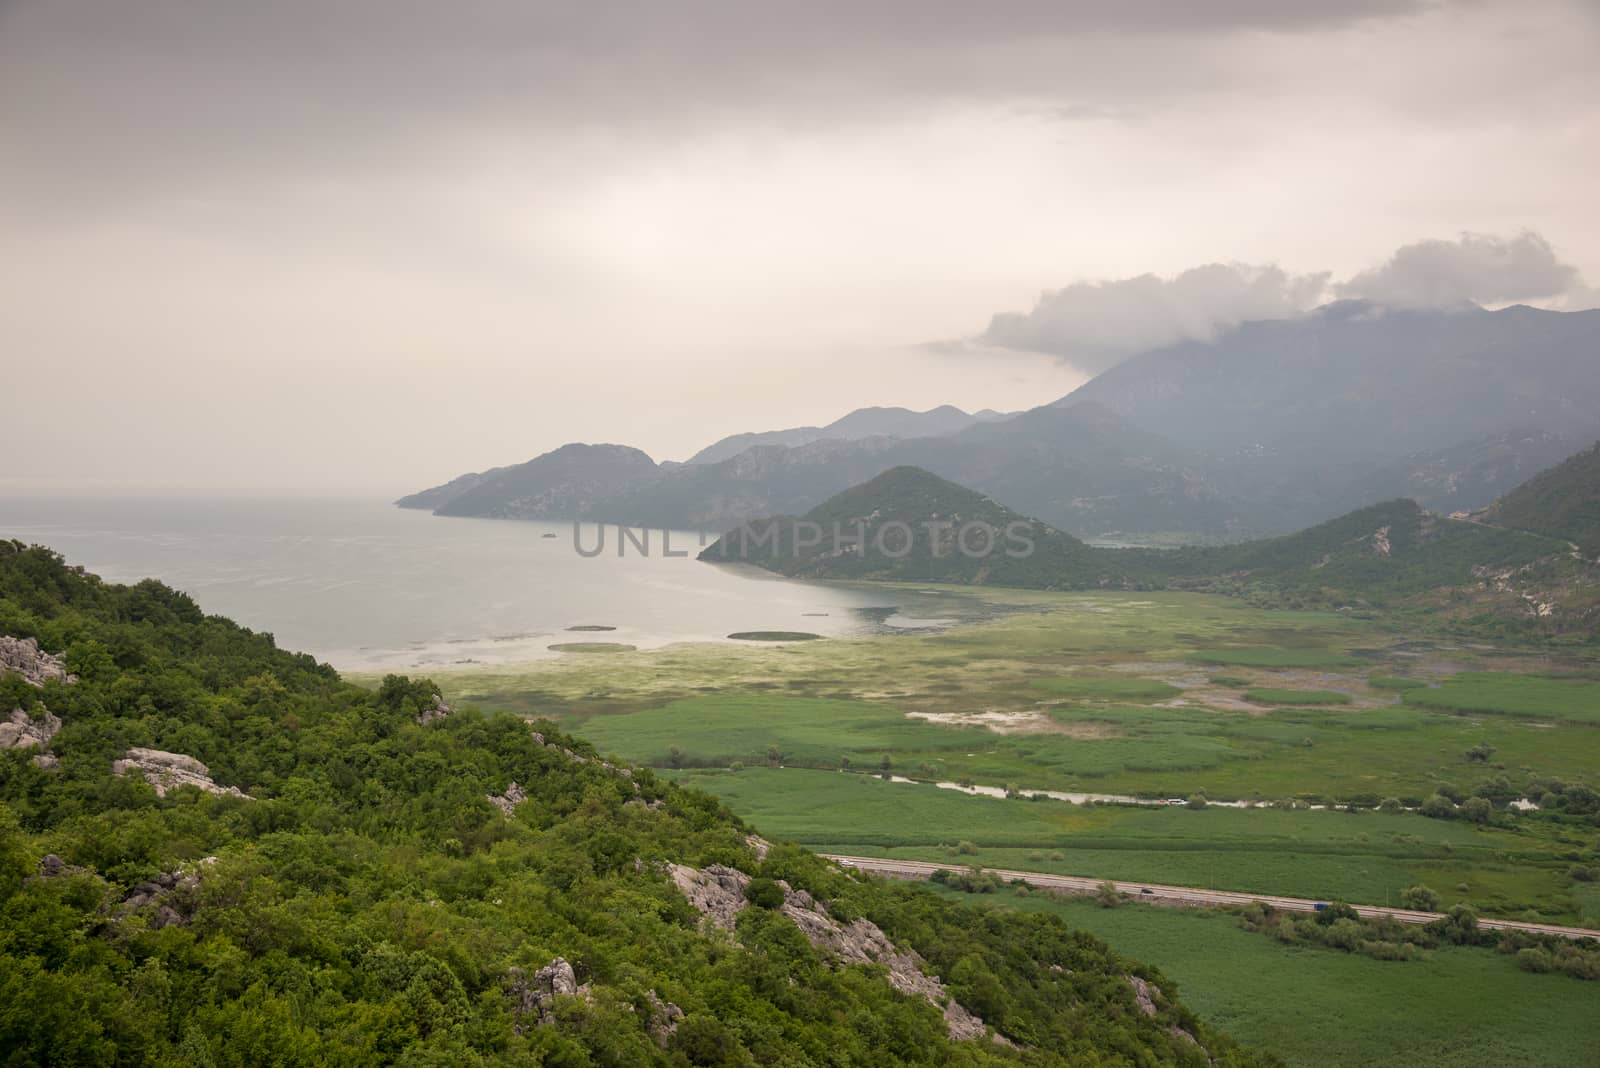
[{"x": 368, "y": 586}]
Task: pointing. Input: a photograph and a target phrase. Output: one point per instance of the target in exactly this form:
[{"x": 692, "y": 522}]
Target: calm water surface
[{"x": 369, "y": 586}]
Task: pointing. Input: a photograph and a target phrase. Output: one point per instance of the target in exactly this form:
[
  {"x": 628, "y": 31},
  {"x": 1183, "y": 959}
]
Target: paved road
[{"x": 1187, "y": 895}]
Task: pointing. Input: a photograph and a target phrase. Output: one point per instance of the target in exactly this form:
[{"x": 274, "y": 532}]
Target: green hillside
[
  {"x": 911, "y": 525},
  {"x": 1394, "y": 554},
  {"x": 370, "y": 877},
  {"x": 1563, "y": 502}
]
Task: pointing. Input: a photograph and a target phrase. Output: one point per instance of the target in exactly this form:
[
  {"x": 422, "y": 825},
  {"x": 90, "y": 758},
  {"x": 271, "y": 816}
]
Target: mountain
[
  {"x": 1270, "y": 428},
  {"x": 1463, "y": 477},
  {"x": 1081, "y": 468},
  {"x": 564, "y": 484},
  {"x": 861, "y": 423},
  {"x": 1291, "y": 412},
  {"x": 1395, "y": 554},
  {"x": 1563, "y": 502},
  {"x": 222, "y": 853},
  {"x": 438, "y": 496},
  {"x": 909, "y": 524}
]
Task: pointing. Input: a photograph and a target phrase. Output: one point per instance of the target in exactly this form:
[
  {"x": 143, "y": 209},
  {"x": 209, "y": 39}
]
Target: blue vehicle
[{"x": 1320, "y": 905}]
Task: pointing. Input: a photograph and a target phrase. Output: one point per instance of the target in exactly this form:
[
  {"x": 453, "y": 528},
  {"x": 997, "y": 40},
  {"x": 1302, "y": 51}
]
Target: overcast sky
[{"x": 369, "y": 245}]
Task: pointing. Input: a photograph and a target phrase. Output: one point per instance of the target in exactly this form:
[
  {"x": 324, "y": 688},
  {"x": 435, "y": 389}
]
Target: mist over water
[{"x": 367, "y": 586}]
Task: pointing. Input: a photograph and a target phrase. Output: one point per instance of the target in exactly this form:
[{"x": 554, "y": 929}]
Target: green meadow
[
  {"x": 1368, "y": 857},
  {"x": 1321, "y": 1008},
  {"x": 1148, "y": 695}
]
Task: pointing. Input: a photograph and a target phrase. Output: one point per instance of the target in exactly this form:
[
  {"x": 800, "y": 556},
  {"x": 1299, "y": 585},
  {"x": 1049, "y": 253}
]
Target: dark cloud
[
  {"x": 111, "y": 99},
  {"x": 1476, "y": 268}
]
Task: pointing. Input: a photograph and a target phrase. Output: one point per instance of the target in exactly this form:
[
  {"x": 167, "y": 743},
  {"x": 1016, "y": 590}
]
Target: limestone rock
[
  {"x": 37, "y": 667},
  {"x": 717, "y": 891},
  {"x": 507, "y": 802},
  {"x": 437, "y": 710},
  {"x": 22, "y": 731},
  {"x": 536, "y": 997},
  {"x": 167, "y": 771},
  {"x": 664, "y": 1017},
  {"x": 759, "y": 844},
  {"x": 1144, "y": 994}
]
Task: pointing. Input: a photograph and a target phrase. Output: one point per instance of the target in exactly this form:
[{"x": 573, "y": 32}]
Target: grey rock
[
  {"x": 22, "y": 731},
  {"x": 436, "y": 711},
  {"x": 507, "y": 802},
  {"x": 167, "y": 771},
  {"x": 718, "y": 892},
  {"x": 664, "y": 1017},
  {"x": 23, "y": 656},
  {"x": 535, "y": 998}
]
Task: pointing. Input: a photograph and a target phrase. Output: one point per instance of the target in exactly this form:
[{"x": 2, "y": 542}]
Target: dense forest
[{"x": 214, "y": 852}]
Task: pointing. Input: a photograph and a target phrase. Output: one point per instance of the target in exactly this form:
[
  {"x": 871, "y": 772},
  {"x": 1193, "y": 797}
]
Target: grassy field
[
  {"x": 1151, "y": 695},
  {"x": 1500, "y": 693},
  {"x": 1321, "y": 1008},
  {"x": 1101, "y": 693},
  {"x": 1369, "y": 858}
]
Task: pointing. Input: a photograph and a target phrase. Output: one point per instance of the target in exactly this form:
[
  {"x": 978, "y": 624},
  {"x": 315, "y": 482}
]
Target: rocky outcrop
[
  {"x": 759, "y": 844},
  {"x": 437, "y": 710},
  {"x": 1144, "y": 994},
  {"x": 167, "y": 771},
  {"x": 507, "y": 802},
  {"x": 169, "y": 897},
  {"x": 663, "y": 1021},
  {"x": 23, "y": 656},
  {"x": 718, "y": 892},
  {"x": 22, "y": 731},
  {"x": 53, "y": 867},
  {"x": 535, "y": 997}
]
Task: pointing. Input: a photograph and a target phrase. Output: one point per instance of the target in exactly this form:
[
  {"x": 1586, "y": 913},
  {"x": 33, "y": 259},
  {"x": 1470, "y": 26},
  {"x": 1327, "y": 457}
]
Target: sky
[{"x": 364, "y": 246}]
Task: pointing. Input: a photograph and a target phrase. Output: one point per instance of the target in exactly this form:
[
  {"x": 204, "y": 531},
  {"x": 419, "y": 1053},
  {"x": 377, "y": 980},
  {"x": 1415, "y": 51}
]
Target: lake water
[{"x": 367, "y": 586}]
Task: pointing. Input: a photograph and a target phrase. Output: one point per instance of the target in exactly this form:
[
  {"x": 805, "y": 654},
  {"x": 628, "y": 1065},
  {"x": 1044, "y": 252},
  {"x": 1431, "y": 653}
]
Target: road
[{"x": 1187, "y": 895}]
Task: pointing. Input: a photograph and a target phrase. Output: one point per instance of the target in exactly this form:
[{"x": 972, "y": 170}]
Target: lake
[{"x": 367, "y": 586}]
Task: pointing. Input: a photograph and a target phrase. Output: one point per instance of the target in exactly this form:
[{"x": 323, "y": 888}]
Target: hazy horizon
[{"x": 365, "y": 249}]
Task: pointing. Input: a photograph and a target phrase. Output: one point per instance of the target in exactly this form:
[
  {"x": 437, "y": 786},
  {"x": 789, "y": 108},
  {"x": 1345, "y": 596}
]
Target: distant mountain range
[
  {"x": 1273, "y": 426},
  {"x": 1303, "y": 416},
  {"x": 861, "y": 423},
  {"x": 910, "y": 525}
]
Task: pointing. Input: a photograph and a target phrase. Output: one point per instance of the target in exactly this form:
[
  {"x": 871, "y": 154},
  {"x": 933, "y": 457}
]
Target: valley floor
[{"x": 1290, "y": 715}]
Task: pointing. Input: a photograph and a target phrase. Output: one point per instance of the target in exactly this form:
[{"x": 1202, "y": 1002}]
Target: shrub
[
  {"x": 1438, "y": 807},
  {"x": 1108, "y": 895},
  {"x": 1477, "y": 809},
  {"x": 1196, "y": 801},
  {"x": 764, "y": 893},
  {"x": 1421, "y": 898},
  {"x": 1535, "y": 959},
  {"x": 966, "y": 848}
]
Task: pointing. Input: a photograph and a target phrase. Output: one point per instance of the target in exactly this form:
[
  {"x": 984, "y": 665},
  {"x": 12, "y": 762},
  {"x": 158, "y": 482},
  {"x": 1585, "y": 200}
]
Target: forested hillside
[
  {"x": 1390, "y": 555},
  {"x": 215, "y": 852},
  {"x": 1563, "y": 502}
]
